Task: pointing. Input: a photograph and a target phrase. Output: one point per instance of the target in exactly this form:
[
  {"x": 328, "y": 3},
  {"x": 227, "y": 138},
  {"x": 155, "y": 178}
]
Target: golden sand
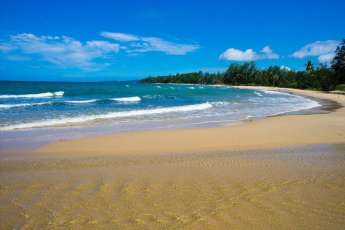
[
  {"x": 285, "y": 172},
  {"x": 272, "y": 132}
]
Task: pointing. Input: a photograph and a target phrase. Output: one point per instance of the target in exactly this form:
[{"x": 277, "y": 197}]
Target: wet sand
[
  {"x": 324, "y": 127},
  {"x": 283, "y": 172}
]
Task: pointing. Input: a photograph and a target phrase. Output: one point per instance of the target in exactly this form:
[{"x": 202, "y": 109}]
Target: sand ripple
[{"x": 293, "y": 188}]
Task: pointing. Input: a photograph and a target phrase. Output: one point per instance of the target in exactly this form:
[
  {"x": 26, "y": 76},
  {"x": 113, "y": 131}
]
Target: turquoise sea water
[
  {"x": 35, "y": 105},
  {"x": 36, "y": 113}
]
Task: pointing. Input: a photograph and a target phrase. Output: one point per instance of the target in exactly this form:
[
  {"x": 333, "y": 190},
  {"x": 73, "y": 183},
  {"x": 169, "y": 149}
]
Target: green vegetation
[
  {"x": 338, "y": 63},
  {"x": 340, "y": 87},
  {"x": 322, "y": 77}
]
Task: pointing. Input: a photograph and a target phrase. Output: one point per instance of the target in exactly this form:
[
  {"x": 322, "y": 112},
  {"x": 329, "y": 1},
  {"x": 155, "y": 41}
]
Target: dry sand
[{"x": 283, "y": 172}]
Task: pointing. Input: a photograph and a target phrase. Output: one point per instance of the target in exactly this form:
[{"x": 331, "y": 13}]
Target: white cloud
[
  {"x": 233, "y": 54},
  {"x": 284, "y": 67},
  {"x": 60, "y": 50},
  {"x": 324, "y": 50},
  {"x": 5, "y": 48},
  {"x": 267, "y": 53},
  {"x": 326, "y": 58},
  {"x": 120, "y": 36},
  {"x": 102, "y": 46},
  {"x": 238, "y": 55},
  {"x": 151, "y": 44},
  {"x": 157, "y": 44},
  {"x": 66, "y": 51}
]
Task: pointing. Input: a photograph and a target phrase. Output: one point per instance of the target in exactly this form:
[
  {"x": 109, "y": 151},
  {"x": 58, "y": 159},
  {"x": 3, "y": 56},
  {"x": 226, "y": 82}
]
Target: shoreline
[
  {"x": 91, "y": 130},
  {"x": 326, "y": 104},
  {"x": 281, "y": 172},
  {"x": 192, "y": 140}
]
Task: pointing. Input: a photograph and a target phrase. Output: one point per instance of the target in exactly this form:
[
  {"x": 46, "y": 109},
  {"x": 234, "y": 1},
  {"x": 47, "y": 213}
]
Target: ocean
[
  {"x": 61, "y": 109},
  {"x": 28, "y": 105}
]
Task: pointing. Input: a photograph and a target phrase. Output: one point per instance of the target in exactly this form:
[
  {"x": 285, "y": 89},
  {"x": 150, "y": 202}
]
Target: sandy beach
[
  {"x": 328, "y": 127},
  {"x": 285, "y": 172}
]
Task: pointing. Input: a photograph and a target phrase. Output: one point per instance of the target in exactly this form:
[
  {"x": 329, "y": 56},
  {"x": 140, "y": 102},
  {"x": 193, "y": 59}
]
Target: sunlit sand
[{"x": 285, "y": 172}]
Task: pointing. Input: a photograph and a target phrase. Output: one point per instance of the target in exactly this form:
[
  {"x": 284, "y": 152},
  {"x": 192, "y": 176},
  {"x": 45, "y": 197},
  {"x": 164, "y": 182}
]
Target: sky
[{"x": 64, "y": 40}]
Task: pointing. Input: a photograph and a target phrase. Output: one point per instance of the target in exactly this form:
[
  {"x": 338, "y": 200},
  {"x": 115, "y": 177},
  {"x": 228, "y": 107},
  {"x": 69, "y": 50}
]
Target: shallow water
[
  {"x": 25, "y": 105},
  {"x": 33, "y": 114}
]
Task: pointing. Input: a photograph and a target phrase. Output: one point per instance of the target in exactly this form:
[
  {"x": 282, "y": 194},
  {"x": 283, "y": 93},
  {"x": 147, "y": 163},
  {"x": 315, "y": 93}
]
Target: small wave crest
[
  {"x": 81, "y": 101},
  {"x": 112, "y": 115},
  {"x": 220, "y": 103},
  {"x": 37, "y": 95},
  {"x": 122, "y": 100},
  {"x": 9, "y": 106},
  {"x": 155, "y": 96},
  {"x": 127, "y": 99},
  {"x": 258, "y": 94},
  {"x": 274, "y": 92}
]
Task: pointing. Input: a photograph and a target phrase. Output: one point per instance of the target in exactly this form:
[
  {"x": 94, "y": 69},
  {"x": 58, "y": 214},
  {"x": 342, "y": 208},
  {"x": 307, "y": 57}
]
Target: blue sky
[{"x": 122, "y": 40}]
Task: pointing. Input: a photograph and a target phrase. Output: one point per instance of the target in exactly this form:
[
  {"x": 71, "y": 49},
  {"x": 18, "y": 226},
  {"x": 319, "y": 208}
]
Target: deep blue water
[{"x": 33, "y": 105}]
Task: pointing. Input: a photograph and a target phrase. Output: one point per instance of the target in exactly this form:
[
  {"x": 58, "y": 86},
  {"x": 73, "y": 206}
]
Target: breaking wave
[
  {"x": 9, "y": 106},
  {"x": 81, "y": 101},
  {"x": 127, "y": 99},
  {"x": 37, "y": 95},
  {"x": 112, "y": 115}
]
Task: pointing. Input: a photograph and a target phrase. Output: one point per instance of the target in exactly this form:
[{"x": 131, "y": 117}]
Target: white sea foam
[
  {"x": 308, "y": 104},
  {"x": 155, "y": 96},
  {"x": 59, "y": 93},
  {"x": 37, "y": 95},
  {"x": 220, "y": 103},
  {"x": 81, "y": 101},
  {"x": 127, "y": 99},
  {"x": 274, "y": 92},
  {"x": 88, "y": 118},
  {"x": 9, "y": 106},
  {"x": 192, "y": 87},
  {"x": 258, "y": 94}
]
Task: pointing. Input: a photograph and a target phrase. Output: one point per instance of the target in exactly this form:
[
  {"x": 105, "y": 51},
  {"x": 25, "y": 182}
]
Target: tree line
[{"x": 323, "y": 77}]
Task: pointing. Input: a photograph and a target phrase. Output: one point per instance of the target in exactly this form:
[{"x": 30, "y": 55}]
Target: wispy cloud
[
  {"x": 267, "y": 53},
  {"x": 120, "y": 36},
  {"x": 59, "y": 50},
  {"x": 149, "y": 44},
  {"x": 66, "y": 51},
  {"x": 138, "y": 44},
  {"x": 323, "y": 50},
  {"x": 5, "y": 47},
  {"x": 233, "y": 54}
]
